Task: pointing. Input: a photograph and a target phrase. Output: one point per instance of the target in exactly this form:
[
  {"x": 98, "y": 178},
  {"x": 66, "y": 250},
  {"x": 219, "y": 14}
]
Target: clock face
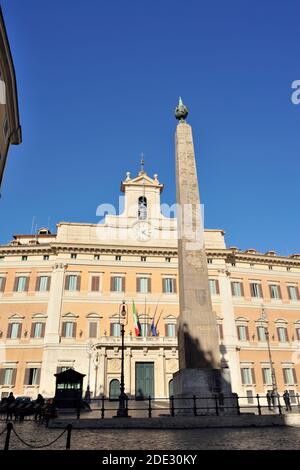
[{"x": 142, "y": 231}]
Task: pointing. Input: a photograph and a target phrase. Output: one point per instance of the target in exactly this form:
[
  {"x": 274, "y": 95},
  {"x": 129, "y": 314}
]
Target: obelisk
[{"x": 199, "y": 372}]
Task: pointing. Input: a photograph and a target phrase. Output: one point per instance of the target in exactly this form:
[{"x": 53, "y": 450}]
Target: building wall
[{"x": 80, "y": 249}]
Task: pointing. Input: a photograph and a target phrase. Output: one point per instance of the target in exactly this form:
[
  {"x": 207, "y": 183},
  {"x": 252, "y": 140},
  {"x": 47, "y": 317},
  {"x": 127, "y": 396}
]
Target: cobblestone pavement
[{"x": 196, "y": 439}]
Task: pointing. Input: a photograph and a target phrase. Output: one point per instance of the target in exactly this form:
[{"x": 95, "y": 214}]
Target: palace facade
[{"x": 60, "y": 297}]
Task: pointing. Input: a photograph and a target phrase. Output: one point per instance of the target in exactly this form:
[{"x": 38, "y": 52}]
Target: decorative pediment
[
  {"x": 39, "y": 315},
  {"x": 141, "y": 180},
  {"x": 93, "y": 315},
  {"x": 16, "y": 316},
  {"x": 70, "y": 315}
]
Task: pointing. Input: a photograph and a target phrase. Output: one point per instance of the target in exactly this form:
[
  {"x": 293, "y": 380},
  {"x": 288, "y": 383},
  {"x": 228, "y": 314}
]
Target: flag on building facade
[{"x": 137, "y": 325}]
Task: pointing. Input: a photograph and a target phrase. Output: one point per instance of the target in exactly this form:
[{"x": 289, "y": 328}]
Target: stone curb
[{"x": 180, "y": 422}]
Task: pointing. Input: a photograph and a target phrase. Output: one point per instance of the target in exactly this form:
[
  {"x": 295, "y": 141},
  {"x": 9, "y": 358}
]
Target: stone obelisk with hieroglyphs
[{"x": 199, "y": 372}]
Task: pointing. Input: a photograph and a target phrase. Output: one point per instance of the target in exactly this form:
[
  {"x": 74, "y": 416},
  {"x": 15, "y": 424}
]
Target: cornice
[{"x": 228, "y": 255}]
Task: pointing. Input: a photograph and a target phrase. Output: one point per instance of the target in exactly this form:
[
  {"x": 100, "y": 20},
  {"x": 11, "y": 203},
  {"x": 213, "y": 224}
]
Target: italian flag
[{"x": 137, "y": 326}]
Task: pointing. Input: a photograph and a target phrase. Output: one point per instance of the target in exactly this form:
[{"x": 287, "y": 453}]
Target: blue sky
[{"x": 98, "y": 82}]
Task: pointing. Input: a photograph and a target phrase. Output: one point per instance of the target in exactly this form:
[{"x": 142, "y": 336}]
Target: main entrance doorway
[{"x": 144, "y": 380}]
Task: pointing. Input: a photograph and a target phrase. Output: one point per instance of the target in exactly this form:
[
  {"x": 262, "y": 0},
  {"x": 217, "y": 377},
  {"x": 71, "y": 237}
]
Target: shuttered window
[
  {"x": 72, "y": 282},
  {"x": 255, "y": 289},
  {"x": 14, "y": 330},
  {"x": 214, "y": 287},
  {"x": 243, "y": 333},
  {"x": 69, "y": 329},
  {"x": 143, "y": 285},
  {"x": 293, "y": 292},
  {"x": 32, "y": 376},
  {"x": 117, "y": 284},
  {"x": 169, "y": 285},
  {"x": 237, "y": 289},
  {"x": 37, "y": 330},
  {"x": 43, "y": 283},
  {"x": 2, "y": 283},
  {"x": 8, "y": 376},
  {"x": 21, "y": 284},
  {"x": 93, "y": 327},
  {"x": 95, "y": 286},
  {"x": 289, "y": 376}
]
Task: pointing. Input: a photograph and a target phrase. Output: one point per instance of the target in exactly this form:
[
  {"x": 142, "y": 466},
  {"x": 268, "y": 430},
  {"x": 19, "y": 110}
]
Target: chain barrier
[{"x": 39, "y": 446}]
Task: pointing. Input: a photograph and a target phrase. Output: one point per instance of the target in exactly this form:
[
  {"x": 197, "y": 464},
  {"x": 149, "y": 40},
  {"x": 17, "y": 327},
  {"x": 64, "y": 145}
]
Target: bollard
[
  {"x": 149, "y": 407},
  {"x": 102, "y": 407},
  {"x": 69, "y": 431},
  {"x": 8, "y": 433},
  {"x": 194, "y": 405},
  {"x": 78, "y": 410},
  {"x": 258, "y": 404}
]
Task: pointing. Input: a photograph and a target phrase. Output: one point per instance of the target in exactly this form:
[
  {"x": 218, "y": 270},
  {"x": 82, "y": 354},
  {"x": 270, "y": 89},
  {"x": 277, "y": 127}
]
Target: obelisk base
[{"x": 203, "y": 392}]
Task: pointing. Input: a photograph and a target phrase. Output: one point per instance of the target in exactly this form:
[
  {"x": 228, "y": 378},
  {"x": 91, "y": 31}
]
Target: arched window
[
  {"x": 142, "y": 208},
  {"x": 114, "y": 389},
  {"x": 171, "y": 388}
]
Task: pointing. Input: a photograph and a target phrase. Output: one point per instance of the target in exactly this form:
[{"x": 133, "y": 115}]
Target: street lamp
[
  {"x": 123, "y": 319},
  {"x": 264, "y": 319},
  {"x": 88, "y": 388}
]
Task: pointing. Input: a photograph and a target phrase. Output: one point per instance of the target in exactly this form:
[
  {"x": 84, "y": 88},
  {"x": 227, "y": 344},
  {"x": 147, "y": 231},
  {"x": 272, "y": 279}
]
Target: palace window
[
  {"x": 2, "y": 283},
  {"x": 93, "y": 329},
  {"x": 143, "y": 285},
  {"x": 293, "y": 292},
  {"x": 8, "y": 376},
  {"x": 32, "y": 376},
  {"x": 289, "y": 376},
  {"x": 72, "y": 282},
  {"x": 115, "y": 329},
  {"x": 14, "y": 330},
  {"x": 237, "y": 289},
  {"x": 96, "y": 257},
  {"x": 143, "y": 258},
  {"x": 248, "y": 376},
  {"x": 267, "y": 376},
  {"x": 95, "y": 283},
  {"x": 255, "y": 289},
  {"x": 275, "y": 291},
  {"x": 117, "y": 284},
  {"x": 73, "y": 255},
  {"x": 145, "y": 329},
  {"x": 43, "y": 283},
  {"x": 24, "y": 258},
  {"x": 21, "y": 284},
  {"x": 69, "y": 329},
  {"x": 169, "y": 285},
  {"x": 261, "y": 333},
  {"x": 37, "y": 330},
  {"x": 118, "y": 258},
  {"x": 243, "y": 333},
  {"x": 45, "y": 257},
  {"x": 282, "y": 334},
  {"x": 214, "y": 287},
  {"x": 170, "y": 330}
]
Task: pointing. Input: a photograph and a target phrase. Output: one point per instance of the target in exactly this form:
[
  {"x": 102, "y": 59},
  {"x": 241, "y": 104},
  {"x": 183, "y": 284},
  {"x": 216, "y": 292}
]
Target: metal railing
[{"x": 150, "y": 407}]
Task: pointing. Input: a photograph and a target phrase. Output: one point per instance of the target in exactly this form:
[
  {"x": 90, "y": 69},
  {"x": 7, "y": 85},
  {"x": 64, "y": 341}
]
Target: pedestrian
[
  {"x": 287, "y": 401},
  {"x": 269, "y": 399},
  {"x": 10, "y": 406},
  {"x": 39, "y": 403}
]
